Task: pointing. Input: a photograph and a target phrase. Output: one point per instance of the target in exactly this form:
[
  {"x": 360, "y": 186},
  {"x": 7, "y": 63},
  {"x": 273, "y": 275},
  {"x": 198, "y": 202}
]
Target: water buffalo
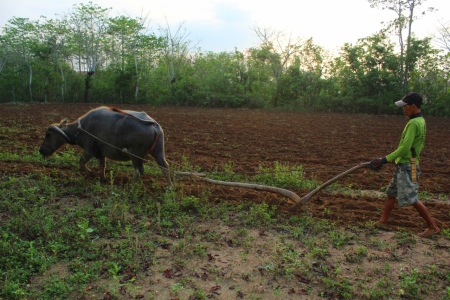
[{"x": 106, "y": 132}]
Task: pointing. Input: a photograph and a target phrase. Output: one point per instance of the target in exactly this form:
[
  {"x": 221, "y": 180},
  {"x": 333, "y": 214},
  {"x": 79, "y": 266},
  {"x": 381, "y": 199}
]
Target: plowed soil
[{"x": 325, "y": 144}]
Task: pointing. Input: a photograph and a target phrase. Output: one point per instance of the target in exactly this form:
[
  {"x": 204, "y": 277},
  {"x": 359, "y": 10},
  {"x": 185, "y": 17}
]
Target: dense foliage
[{"x": 86, "y": 56}]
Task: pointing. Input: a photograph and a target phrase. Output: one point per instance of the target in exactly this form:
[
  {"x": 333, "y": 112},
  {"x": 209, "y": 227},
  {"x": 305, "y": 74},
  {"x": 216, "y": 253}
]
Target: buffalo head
[{"x": 55, "y": 137}]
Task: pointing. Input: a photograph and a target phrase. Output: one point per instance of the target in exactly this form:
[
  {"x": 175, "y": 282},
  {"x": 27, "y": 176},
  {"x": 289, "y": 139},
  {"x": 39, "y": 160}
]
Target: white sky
[{"x": 222, "y": 25}]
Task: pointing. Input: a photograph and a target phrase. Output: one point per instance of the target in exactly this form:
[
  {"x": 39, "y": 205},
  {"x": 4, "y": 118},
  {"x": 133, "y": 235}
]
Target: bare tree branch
[{"x": 444, "y": 38}]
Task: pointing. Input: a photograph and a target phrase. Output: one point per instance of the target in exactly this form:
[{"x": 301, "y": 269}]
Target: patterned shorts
[{"x": 402, "y": 187}]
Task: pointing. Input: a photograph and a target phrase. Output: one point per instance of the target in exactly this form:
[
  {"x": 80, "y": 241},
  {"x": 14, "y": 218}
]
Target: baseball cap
[{"x": 410, "y": 98}]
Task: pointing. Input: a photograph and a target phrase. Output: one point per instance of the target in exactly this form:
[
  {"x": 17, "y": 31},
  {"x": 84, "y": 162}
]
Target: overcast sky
[{"x": 222, "y": 25}]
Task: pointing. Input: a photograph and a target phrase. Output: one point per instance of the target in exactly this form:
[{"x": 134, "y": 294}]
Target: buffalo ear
[{"x": 63, "y": 123}]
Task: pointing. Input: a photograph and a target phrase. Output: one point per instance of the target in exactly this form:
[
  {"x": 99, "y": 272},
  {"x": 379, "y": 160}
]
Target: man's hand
[{"x": 377, "y": 163}]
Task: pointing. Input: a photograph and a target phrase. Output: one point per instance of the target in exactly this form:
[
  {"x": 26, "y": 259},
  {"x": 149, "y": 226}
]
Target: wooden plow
[{"x": 289, "y": 194}]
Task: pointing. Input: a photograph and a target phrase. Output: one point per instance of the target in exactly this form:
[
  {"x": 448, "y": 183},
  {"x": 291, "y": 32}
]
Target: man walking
[{"x": 404, "y": 185}]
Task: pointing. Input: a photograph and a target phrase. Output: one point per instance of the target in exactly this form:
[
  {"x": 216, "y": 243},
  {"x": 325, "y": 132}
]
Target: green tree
[
  {"x": 88, "y": 24},
  {"x": 127, "y": 42},
  {"x": 260, "y": 84},
  {"x": 20, "y": 40},
  {"x": 430, "y": 74},
  {"x": 218, "y": 79},
  {"x": 313, "y": 64},
  {"x": 406, "y": 13},
  {"x": 177, "y": 53},
  {"x": 54, "y": 56},
  {"x": 276, "y": 52},
  {"x": 302, "y": 83},
  {"x": 3, "y": 53},
  {"x": 367, "y": 73}
]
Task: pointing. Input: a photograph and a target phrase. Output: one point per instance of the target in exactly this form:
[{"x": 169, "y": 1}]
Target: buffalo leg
[
  {"x": 102, "y": 162},
  {"x": 164, "y": 167},
  {"x": 83, "y": 161},
  {"x": 138, "y": 165},
  {"x": 157, "y": 152}
]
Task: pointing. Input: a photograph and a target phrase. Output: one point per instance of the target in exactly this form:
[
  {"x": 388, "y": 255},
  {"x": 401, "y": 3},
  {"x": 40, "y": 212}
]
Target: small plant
[
  {"x": 341, "y": 285},
  {"x": 114, "y": 269},
  {"x": 424, "y": 195},
  {"x": 84, "y": 230},
  {"x": 446, "y": 233},
  {"x": 177, "y": 288},
  {"x": 55, "y": 287},
  {"x": 361, "y": 251},
  {"x": 199, "y": 294},
  {"x": 405, "y": 237},
  {"x": 337, "y": 238},
  {"x": 284, "y": 175},
  {"x": 410, "y": 283},
  {"x": 357, "y": 255},
  {"x": 266, "y": 267},
  {"x": 447, "y": 294},
  {"x": 258, "y": 214},
  {"x": 318, "y": 252},
  {"x": 200, "y": 250}
]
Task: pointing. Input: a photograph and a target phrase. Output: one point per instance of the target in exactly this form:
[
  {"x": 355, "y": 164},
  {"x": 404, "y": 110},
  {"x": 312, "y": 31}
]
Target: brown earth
[{"x": 325, "y": 144}]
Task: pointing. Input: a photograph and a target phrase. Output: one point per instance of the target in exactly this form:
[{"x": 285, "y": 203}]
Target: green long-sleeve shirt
[{"x": 413, "y": 136}]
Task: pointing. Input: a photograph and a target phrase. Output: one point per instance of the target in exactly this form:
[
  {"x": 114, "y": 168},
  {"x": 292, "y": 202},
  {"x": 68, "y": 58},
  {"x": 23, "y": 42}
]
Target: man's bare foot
[{"x": 430, "y": 232}]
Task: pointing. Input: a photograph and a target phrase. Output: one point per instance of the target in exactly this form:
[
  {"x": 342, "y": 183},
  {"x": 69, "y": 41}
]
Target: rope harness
[
  {"x": 124, "y": 150},
  {"x": 60, "y": 131}
]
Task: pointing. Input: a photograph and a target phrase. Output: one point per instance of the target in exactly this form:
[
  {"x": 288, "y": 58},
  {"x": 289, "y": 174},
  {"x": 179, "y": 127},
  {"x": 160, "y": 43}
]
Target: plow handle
[{"x": 306, "y": 198}]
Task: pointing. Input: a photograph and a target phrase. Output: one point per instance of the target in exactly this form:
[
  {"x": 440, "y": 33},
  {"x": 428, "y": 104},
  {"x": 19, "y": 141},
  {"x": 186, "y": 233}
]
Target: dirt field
[{"x": 325, "y": 144}]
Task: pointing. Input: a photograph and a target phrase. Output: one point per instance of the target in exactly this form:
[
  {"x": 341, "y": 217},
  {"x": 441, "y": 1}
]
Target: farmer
[{"x": 404, "y": 185}]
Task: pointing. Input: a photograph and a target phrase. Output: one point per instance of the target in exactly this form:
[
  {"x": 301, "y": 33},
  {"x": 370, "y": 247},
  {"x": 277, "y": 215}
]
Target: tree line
[{"x": 86, "y": 56}]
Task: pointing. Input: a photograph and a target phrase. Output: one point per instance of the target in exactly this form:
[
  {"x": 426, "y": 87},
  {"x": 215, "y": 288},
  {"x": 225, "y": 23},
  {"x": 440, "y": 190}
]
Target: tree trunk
[
  {"x": 136, "y": 90},
  {"x": 402, "y": 46},
  {"x": 30, "y": 83},
  {"x": 63, "y": 85},
  {"x": 408, "y": 49},
  {"x": 46, "y": 92},
  {"x": 87, "y": 86}
]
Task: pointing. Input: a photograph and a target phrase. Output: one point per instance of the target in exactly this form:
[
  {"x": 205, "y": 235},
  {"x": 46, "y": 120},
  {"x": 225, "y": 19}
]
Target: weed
[
  {"x": 177, "y": 288},
  {"x": 342, "y": 286},
  {"x": 186, "y": 165},
  {"x": 424, "y": 195},
  {"x": 247, "y": 245},
  {"x": 361, "y": 251},
  {"x": 266, "y": 267},
  {"x": 55, "y": 287},
  {"x": 410, "y": 283},
  {"x": 199, "y": 294},
  {"x": 284, "y": 175},
  {"x": 447, "y": 293},
  {"x": 258, "y": 214},
  {"x": 191, "y": 203},
  {"x": 357, "y": 255},
  {"x": 318, "y": 252},
  {"x": 200, "y": 250},
  {"x": 338, "y": 238},
  {"x": 84, "y": 231},
  {"x": 443, "y": 197},
  {"x": 114, "y": 269},
  {"x": 405, "y": 237},
  {"x": 446, "y": 233}
]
